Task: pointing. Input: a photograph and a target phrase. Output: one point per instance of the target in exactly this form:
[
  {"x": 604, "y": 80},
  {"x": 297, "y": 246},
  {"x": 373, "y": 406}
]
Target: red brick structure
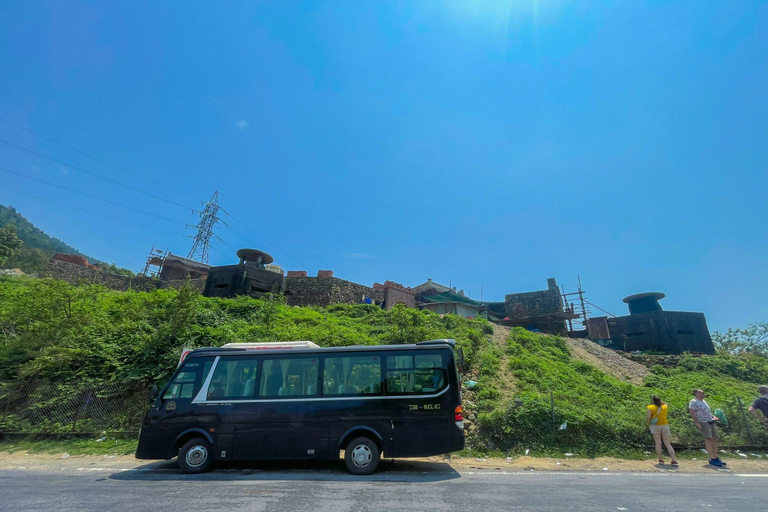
[
  {"x": 74, "y": 258},
  {"x": 297, "y": 273},
  {"x": 325, "y": 273},
  {"x": 395, "y": 293}
]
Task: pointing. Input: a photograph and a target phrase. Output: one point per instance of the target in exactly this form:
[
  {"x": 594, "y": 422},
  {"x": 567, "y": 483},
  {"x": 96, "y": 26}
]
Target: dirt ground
[{"x": 61, "y": 461}]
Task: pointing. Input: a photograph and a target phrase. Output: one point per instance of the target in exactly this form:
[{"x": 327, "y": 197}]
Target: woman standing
[{"x": 656, "y": 419}]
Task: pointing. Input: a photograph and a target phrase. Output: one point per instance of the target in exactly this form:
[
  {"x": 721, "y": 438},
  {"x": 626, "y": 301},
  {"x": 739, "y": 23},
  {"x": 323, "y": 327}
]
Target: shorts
[
  {"x": 660, "y": 429},
  {"x": 708, "y": 430}
]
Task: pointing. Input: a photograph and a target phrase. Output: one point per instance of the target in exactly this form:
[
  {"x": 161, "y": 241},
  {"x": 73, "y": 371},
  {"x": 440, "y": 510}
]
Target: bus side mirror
[{"x": 153, "y": 391}]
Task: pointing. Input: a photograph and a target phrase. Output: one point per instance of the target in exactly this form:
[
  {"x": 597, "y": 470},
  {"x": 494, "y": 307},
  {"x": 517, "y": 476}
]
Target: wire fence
[
  {"x": 536, "y": 421},
  {"x": 43, "y": 407},
  {"x": 545, "y": 421}
]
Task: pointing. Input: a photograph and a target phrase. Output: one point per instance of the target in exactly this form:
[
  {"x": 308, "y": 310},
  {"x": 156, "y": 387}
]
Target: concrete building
[
  {"x": 649, "y": 327},
  {"x": 176, "y": 268},
  {"x": 249, "y": 277}
]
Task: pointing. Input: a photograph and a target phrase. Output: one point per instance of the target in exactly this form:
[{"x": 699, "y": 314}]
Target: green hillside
[
  {"x": 39, "y": 247},
  {"x": 72, "y": 336}
]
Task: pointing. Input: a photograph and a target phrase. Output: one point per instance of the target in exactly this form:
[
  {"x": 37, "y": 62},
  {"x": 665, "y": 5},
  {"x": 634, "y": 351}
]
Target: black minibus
[{"x": 295, "y": 400}]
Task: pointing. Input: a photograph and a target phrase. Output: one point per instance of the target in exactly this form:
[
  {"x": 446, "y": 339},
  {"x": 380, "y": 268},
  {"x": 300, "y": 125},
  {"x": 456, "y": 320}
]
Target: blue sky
[{"x": 491, "y": 144}]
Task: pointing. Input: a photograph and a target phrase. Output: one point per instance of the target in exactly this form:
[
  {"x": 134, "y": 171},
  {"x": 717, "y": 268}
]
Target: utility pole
[
  {"x": 208, "y": 217},
  {"x": 581, "y": 298}
]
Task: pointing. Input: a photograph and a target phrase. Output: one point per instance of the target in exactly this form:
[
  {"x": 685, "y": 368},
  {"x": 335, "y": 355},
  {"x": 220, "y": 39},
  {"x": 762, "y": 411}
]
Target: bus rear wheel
[
  {"x": 195, "y": 456},
  {"x": 362, "y": 456}
]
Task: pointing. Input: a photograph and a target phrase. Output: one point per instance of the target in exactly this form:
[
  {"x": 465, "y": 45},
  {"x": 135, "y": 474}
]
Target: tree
[
  {"x": 752, "y": 340},
  {"x": 9, "y": 242}
]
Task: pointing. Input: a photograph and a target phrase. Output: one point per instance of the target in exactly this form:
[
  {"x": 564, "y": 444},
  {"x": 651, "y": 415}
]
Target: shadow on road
[{"x": 319, "y": 471}]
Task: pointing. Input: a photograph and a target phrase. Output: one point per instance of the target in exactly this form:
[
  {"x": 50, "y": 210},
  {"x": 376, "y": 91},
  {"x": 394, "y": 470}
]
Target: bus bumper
[{"x": 152, "y": 445}]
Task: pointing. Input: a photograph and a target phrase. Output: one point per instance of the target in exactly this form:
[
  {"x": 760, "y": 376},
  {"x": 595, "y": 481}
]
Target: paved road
[{"x": 399, "y": 486}]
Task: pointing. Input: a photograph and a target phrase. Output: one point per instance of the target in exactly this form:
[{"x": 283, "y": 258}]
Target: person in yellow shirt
[{"x": 656, "y": 419}]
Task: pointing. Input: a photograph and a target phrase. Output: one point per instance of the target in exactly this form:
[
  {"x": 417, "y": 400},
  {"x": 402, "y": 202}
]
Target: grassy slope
[
  {"x": 585, "y": 397},
  {"x": 73, "y": 334},
  {"x": 56, "y": 331}
]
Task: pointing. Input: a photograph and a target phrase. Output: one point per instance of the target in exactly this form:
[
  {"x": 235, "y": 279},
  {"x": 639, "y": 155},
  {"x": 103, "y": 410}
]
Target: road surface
[{"x": 324, "y": 487}]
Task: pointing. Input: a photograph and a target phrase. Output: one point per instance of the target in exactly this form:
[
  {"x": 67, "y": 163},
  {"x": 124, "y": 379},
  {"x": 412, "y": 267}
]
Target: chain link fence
[
  {"x": 38, "y": 407},
  {"x": 546, "y": 421}
]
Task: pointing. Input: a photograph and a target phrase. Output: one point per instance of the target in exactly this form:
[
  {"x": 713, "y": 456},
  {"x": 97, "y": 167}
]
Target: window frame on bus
[
  {"x": 239, "y": 361},
  {"x": 201, "y": 376},
  {"x": 340, "y": 355},
  {"x": 413, "y": 354},
  {"x": 279, "y": 357}
]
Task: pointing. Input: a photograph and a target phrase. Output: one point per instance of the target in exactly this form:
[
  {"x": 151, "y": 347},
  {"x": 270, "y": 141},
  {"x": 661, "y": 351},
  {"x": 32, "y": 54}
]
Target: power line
[
  {"x": 99, "y": 159},
  {"x": 89, "y": 211},
  {"x": 187, "y": 178},
  {"x": 90, "y": 195},
  {"x": 93, "y": 174}
]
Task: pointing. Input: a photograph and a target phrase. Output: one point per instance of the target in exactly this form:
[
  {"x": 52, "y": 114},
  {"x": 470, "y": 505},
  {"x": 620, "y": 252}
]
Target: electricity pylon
[{"x": 208, "y": 217}]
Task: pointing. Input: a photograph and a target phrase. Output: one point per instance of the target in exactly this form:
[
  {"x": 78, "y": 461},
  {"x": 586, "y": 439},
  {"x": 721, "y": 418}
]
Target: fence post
[
  {"x": 552, "y": 409},
  {"x": 81, "y": 408},
  {"x": 746, "y": 423}
]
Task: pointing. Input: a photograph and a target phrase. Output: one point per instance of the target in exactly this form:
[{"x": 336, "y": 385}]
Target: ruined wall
[
  {"x": 324, "y": 291},
  {"x": 521, "y": 305},
  {"x": 75, "y": 274}
]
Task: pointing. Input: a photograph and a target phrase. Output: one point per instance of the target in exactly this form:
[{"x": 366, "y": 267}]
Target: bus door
[
  {"x": 353, "y": 393},
  {"x": 422, "y": 415}
]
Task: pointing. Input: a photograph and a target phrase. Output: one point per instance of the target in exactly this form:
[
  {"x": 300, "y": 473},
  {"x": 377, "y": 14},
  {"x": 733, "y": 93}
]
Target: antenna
[{"x": 208, "y": 217}]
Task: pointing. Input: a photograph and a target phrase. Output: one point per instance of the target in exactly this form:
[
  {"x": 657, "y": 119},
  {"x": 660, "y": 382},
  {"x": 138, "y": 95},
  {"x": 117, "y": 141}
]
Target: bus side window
[
  {"x": 413, "y": 375},
  {"x": 233, "y": 379},
  {"x": 289, "y": 377},
  {"x": 356, "y": 376}
]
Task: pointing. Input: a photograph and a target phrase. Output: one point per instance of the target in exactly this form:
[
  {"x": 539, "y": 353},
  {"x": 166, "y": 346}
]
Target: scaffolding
[
  {"x": 579, "y": 306},
  {"x": 155, "y": 259}
]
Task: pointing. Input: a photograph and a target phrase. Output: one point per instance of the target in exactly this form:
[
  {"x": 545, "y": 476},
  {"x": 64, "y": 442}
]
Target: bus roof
[{"x": 309, "y": 348}]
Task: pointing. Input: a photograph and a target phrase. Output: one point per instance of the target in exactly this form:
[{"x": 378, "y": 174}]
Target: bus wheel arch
[
  {"x": 356, "y": 432},
  {"x": 187, "y": 435}
]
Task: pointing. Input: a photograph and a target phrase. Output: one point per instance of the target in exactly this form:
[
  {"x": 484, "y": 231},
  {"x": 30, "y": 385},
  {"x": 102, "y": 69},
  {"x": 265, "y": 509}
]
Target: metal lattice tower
[{"x": 208, "y": 217}]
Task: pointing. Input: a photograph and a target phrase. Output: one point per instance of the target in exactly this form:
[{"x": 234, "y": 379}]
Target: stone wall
[
  {"x": 76, "y": 274},
  {"x": 527, "y": 304},
  {"x": 649, "y": 361},
  {"x": 324, "y": 291}
]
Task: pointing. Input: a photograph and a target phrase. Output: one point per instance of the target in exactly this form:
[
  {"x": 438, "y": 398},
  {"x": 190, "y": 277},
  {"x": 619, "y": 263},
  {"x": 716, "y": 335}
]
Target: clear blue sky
[{"x": 491, "y": 144}]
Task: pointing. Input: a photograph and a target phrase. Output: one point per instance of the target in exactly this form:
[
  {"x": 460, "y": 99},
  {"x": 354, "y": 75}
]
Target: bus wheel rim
[
  {"x": 361, "y": 456},
  {"x": 196, "y": 456}
]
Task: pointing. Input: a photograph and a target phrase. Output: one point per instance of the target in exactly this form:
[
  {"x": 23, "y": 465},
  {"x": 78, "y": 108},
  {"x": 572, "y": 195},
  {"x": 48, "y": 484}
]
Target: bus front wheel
[
  {"x": 362, "y": 456},
  {"x": 195, "y": 456}
]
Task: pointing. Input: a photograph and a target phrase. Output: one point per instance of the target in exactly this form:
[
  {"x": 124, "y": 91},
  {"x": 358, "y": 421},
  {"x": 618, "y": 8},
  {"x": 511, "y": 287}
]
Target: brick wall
[{"x": 396, "y": 293}]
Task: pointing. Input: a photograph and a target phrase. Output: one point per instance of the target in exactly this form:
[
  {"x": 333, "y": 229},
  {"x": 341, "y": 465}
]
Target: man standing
[
  {"x": 705, "y": 421},
  {"x": 761, "y": 403}
]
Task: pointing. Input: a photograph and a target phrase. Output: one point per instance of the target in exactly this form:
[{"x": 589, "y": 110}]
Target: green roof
[{"x": 451, "y": 297}]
